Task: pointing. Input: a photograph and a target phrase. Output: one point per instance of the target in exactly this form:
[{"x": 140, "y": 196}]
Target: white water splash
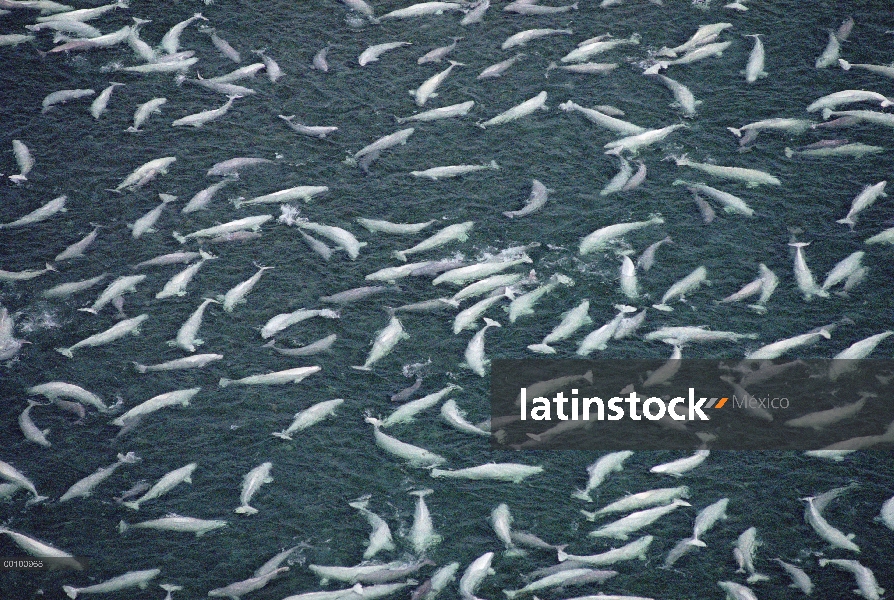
[{"x": 290, "y": 215}]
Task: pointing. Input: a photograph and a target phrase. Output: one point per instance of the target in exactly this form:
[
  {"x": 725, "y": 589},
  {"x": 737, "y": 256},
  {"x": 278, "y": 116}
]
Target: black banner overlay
[{"x": 689, "y": 404}]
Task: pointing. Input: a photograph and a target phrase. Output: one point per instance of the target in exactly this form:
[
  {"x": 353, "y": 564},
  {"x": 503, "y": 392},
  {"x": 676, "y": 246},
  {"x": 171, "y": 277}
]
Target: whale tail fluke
[{"x": 582, "y": 495}]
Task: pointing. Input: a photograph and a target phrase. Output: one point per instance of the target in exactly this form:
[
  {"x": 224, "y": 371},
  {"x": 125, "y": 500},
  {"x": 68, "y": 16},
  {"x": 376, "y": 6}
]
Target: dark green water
[{"x": 227, "y": 431}]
